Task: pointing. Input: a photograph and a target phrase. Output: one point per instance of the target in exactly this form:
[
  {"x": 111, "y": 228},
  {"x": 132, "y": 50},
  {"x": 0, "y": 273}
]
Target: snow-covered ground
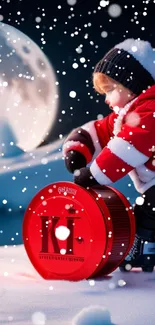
[{"x": 128, "y": 296}]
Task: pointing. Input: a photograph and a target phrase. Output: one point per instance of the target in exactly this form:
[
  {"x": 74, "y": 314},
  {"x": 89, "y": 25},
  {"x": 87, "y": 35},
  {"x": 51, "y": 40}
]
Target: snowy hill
[{"x": 129, "y": 297}]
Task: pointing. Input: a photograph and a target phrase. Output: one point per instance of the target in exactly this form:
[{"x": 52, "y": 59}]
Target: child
[{"x": 124, "y": 141}]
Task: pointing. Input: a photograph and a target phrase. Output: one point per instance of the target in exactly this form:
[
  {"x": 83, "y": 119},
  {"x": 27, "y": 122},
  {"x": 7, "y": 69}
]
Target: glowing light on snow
[
  {"x": 6, "y": 273},
  {"x": 121, "y": 283},
  {"x": 72, "y": 94},
  {"x": 134, "y": 48},
  {"x": 50, "y": 288},
  {"x": 92, "y": 283},
  {"x": 114, "y": 10},
  {"x": 4, "y": 201},
  {"x": 112, "y": 285},
  {"x": 139, "y": 200},
  {"x": 38, "y": 318},
  {"x": 62, "y": 232}
]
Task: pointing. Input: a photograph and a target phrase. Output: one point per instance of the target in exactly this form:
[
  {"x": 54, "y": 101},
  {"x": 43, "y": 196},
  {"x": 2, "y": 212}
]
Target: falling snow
[
  {"x": 71, "y": 2},
  {"x": 38, "y": 318},
  {"x": 104, "y": 34},
  {"x": 62, "y": 232},
  {"x": 139, "y": 200},
  {"x": 81, "y": 40},
  {"x": 72, "y": 94},
  {"x": 114, "y": 10}
]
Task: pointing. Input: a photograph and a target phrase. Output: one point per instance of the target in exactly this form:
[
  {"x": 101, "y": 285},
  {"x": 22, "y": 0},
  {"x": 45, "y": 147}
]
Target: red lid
[{"x": 64, "y": 232}]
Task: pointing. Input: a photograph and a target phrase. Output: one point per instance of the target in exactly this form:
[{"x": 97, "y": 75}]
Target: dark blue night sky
[{"x": 64, "y": 28}]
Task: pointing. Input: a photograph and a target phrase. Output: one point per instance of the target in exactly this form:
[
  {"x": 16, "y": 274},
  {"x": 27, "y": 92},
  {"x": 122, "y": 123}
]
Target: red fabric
[
  {"x": 113, "y": 165},
  {"x": 104, "y": 129},
  {"x": 140, "y": 137},
  {"x": 83, "y": 150}
]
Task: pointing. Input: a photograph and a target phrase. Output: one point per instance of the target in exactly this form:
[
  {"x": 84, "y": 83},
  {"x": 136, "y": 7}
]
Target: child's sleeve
[
  {"x": 90, "y": 138},
  {"x": 131, "y": 148}
]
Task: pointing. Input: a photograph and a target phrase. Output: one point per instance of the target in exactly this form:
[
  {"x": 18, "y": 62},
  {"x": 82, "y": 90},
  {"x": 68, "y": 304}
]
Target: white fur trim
[
  {"x": 122, "y": 112},
  {"x": 125, "y": 151},
  {"x": 70, "y": 144},
  {"x": 90, "y": 128},
  {"x": 146, "y": 186},
  {"x": 140, "y": 186},
  {"x": 100, "y": 177},
  {"x": 145, "y": 174},
  {"x": 142, "y": 51}
]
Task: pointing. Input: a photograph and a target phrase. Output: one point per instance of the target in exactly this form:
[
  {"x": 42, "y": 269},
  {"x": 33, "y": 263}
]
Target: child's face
[{"x": 117, "y": 96}]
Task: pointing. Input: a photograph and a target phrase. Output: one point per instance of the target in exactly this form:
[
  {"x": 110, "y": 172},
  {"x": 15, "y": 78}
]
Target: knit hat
[{"x": 131, "y": 63}]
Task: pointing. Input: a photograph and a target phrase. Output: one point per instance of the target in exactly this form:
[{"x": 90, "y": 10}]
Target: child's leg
[
  {"x": 145, "y": 213},
  {"x": 142, "y": 252}
]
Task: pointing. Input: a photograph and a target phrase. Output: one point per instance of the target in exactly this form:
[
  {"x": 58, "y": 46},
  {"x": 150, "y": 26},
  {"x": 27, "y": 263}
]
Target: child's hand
[
  {"x": 74, "y": 160},
  {"x": 85, "y": 178}
]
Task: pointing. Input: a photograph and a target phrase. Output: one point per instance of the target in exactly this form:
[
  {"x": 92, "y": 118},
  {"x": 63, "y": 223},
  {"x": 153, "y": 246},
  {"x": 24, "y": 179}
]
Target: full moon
[{"x": 28, "y": 91}]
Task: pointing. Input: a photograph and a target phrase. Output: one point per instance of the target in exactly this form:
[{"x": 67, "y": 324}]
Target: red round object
[
  {"x": 72, "y": 234},
  {"x": 116, "y": 209},
  {"x": 58, "y": 211}
]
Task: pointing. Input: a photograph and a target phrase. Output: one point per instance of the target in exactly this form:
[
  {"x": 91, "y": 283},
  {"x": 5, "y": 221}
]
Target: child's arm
[
  {"x": 132, "y": 147},
  {"x": 88, "y": 140}
]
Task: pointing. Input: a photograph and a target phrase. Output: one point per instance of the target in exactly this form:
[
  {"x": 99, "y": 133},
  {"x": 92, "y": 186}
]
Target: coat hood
[{"x": 149, "y": 94}]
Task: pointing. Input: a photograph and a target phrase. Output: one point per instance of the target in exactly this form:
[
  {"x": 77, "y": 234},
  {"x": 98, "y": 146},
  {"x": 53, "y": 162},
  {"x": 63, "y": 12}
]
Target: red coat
[{"x": 120, "y": 144}]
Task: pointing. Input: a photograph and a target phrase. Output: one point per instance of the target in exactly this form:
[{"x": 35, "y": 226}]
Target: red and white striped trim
[
  {"x": 100, "y": 177},
  {"x": 140, "y": 186},
  {"x": 90, "y": 128},
  {"x": 127, "y": 152},
  {"x": 78, "y": 146},
  {"x": 145, "y": 174}
]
